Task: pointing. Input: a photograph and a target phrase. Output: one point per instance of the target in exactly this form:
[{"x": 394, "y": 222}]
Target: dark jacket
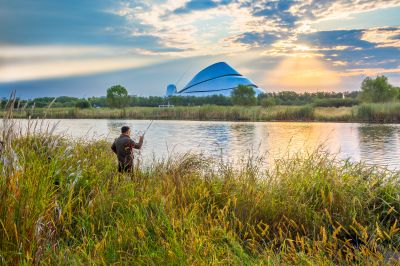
[{"x": 123, "y": 146}]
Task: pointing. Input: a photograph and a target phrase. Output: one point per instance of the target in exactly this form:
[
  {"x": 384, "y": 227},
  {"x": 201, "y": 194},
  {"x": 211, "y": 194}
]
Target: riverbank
[
  {"x": 62, "y": 202},
  {"x": 373, "y": 113}
]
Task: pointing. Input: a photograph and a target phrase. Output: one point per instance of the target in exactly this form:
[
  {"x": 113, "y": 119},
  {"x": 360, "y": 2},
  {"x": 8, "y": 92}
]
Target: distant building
[{"x": 217, "y": 79}]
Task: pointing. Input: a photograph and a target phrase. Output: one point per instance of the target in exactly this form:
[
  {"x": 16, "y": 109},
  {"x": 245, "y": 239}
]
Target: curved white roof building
[{"x": 217, "y": 79}]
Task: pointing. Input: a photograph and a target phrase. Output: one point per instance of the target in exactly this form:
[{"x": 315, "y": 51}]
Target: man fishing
[{"x": 123, "y": 147}]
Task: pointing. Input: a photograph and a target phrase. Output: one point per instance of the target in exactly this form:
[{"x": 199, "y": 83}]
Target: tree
[
  {"x": 266, "y": 101},
  {"x": 83, "y": 103},
  {"x": 117, "y": 97},
  {"x": 377, "y": 90},
  {"x": 244, "y": 95}
]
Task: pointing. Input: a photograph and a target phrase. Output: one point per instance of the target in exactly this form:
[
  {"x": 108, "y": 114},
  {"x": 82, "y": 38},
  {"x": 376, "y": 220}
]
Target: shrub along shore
[
  {"x": 62, "y": 202},
  {"x": 371, "y": 112}
]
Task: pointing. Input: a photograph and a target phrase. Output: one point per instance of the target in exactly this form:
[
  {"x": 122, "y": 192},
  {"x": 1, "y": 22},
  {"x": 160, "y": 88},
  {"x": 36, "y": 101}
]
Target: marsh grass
[
  {"x": 379, "y": 112},
  {"x": 374, "y": 113},
  {"x": 62, "y": 202},
  {"x": 206, "y": 112},
  {"x": 334, "y": 114}
]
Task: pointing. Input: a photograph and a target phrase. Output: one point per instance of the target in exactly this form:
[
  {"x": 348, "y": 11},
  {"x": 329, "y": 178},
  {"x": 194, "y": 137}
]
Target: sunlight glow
[
  {"x": 301, "y": 73},
  {"x": 66, "y": 68}
]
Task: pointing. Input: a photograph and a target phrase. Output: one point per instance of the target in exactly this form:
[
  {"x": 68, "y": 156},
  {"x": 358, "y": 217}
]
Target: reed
[
  {"x": 379, "y": 112},
  {"x": 341, "y": 114},
  {"x": 302, "y": 113},
  {"x": 62, "y": 202},
  {"x": 373, "y": 113},
  {"x": 206, "y": 112}
]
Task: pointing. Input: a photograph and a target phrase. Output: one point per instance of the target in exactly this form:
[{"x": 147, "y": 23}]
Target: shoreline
[{"x": 230, "y": 121}]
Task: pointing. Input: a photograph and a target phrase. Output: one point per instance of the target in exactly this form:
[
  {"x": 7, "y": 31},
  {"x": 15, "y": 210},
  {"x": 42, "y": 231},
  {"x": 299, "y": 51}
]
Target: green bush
[
  {"x": 377, "y": 90},
  {"x": 82, "y": 104},
  {"x": 266, "y": 101},
  {"x": 117, "y": 97},
  {"x": 244, "y": 95}
]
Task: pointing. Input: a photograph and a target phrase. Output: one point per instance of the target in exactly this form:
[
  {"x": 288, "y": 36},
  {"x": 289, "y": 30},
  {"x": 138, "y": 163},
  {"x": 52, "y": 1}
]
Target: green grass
[
  {"x": 62, "y": 202},
  {"x": 206, "y": 112},
  {"x": 375, "y": 113},
  {"x": 383, "y": 113}
]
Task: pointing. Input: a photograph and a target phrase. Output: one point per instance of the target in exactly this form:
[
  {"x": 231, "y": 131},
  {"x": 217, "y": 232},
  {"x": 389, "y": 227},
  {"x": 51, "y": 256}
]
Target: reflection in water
[
  {"x": 374, "y": 144},
  {"x": 380, "y": 143},
  {"x": 243, "y": 136}
]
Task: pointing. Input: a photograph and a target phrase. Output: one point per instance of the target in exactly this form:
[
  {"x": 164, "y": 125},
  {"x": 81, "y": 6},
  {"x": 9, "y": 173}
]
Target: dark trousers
[{"x": 125, "y": 167}]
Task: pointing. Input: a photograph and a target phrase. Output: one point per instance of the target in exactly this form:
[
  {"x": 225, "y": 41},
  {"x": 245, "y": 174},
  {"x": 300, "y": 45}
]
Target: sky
[{"x": 82, "y": 47}]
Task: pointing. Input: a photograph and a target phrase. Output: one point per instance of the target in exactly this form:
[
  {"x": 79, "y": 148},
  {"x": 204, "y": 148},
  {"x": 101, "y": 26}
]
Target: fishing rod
[
  {"x": 140, "y": 150},
  {"x": 151, "y": 122}
]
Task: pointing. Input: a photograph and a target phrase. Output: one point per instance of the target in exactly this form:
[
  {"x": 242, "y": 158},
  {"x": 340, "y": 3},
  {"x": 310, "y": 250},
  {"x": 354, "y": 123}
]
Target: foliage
[
  {"x": 294, "y": 98},
  {"x": 83, "y": 103},
  {"x": 266, "y": 101},
  {"x": 98, "y": 101},
  {"x": 377, "y": 90},
  {"x": 244, "y": 95},
  {"x": 117, "y": 97},
  {"x": 280, "y": 98}
]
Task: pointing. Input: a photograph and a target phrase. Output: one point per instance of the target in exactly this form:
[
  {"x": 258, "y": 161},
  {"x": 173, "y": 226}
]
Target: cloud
[
  {"x": 383, "y": 37},
  {"x": 366, "y": 48},
  {"x": 326, "y": 9},
  {"x": 256, "y": 38},
  {"x": 194, "y": 27},
  {"x": 43, "y": 62},
  {"x": 190, "y": 26},
  {"x": 369, "y": 71},
  {"x": 24, "y": 21},
  {"x": 278, "y": 11},
  {"x": 83, "y": 22},
  {"x": 351, "y": 38},
  {"x": 195, "y": 5}
]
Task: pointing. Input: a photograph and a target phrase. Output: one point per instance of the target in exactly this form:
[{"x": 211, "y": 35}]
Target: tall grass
[
  {"x": 379, "y": 112},
  {"x": 62, "y": 202},
  {"x": 341, "y": 114},
  {"x": 206, "y": 112},
  {"x": 374, "y": 113},
  {"x": 296, "y": 114}
]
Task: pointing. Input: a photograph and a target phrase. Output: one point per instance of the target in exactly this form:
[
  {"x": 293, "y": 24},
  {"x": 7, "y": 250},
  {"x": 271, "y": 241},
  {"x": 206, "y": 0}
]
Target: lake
[{"x": 371, "y": 143}]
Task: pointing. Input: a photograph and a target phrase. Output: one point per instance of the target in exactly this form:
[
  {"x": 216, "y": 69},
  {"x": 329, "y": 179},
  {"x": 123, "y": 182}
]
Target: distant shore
[{"x": 368, "y": 113}]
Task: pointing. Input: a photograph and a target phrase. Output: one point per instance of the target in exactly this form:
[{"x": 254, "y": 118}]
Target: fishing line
[
  {"x": 183, "y": 74},
  {"x": 151, "y": 122},
  {"x": 140, "y": 150}
]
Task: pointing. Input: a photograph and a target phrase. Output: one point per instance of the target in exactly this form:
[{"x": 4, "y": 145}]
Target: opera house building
[{"x": 217, "y": 79}]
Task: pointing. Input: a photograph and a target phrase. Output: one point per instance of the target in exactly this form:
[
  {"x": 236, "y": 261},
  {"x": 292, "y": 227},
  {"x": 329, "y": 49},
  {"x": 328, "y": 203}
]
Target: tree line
[{"x": 372, "y": 90}]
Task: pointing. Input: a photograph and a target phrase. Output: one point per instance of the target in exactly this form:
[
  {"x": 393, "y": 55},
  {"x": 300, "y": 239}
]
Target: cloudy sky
[{"x": 81, "y": 47}]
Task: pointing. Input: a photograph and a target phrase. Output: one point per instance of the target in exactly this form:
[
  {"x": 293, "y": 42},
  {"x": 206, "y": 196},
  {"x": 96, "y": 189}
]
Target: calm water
[{"x": 373, "y": 144}]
